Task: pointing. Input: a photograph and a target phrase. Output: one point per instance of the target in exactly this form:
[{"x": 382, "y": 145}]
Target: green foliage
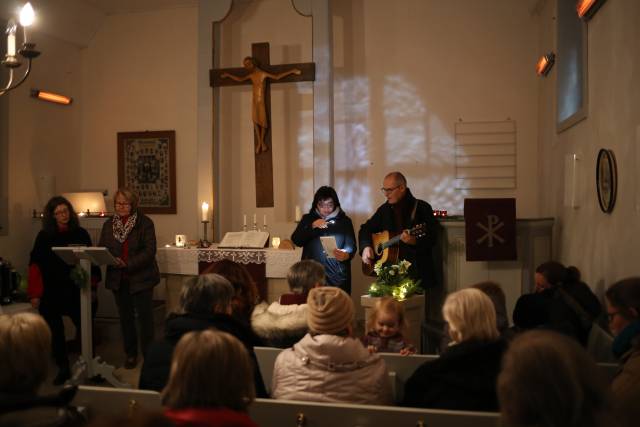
[
  {"x": 394, "y": 280},
  {"x": 79, "y": 276}
]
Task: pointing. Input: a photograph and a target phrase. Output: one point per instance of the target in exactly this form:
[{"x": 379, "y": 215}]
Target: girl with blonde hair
[
  {"x": 385, "y": 328},
  {"x": 464, "y": 376},
  {"x": 211, "y": 381}
]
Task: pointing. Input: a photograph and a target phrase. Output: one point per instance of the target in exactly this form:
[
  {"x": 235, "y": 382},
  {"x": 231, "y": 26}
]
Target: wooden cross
[{"x": 281, "y": 73}]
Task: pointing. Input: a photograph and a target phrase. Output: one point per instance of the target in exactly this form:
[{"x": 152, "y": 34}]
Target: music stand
[{"x": 88, "y": 366}]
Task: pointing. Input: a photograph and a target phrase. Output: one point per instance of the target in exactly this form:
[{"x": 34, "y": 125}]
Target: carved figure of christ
[{"x": 258, "y": 72}]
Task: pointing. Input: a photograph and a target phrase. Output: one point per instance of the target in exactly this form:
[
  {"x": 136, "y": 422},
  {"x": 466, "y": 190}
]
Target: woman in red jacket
[{"x": 211, "y": 382}]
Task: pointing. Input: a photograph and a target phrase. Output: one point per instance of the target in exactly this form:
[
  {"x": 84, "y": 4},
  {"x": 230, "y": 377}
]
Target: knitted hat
[{"x": 329, "y": 310}]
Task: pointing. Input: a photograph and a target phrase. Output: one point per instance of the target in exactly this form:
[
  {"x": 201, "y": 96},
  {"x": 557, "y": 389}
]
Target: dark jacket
[
  {"x": 157, "y": 362},
  {"x": 549, "y": 309},
  {"x": 338, "y": 273},
  {"x": 463, "y": 378},
  {"x": 27, "y": 410},
  {"x": 58, "y": 287},
  {"x": 142, "y": 268},
  {"x": 419, "y": 255}
]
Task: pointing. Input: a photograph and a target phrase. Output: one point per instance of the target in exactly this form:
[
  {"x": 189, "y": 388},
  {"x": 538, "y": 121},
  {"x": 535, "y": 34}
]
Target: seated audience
[
  {"x": 499, "y": 300},
  {"x": 560, "y": 302},
  {"x": 328, "y": 364},
  {"x": 211, "y": 383},
  {"x": 464, "y": 376},
  {"x": 385, "y": 328},
  {"x": 548, "y": 380},
  {"x": 25, "y": 344},
  {"x": 205, "y": 303},
  {"x": 283, "y": 323},
  {"x": 623, "y": 309},
  {"x": 245, "y": 295}
]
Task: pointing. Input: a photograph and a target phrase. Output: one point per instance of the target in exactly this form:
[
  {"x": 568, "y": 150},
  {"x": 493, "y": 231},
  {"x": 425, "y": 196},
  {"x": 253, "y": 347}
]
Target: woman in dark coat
[
  {"x": 131, "y": 238},
  {"x": 326, "y": 218},
  {"x": 464, "y": 376},
  {"x": 205, "y": 303},
  {"x": 51, "y": 288}
]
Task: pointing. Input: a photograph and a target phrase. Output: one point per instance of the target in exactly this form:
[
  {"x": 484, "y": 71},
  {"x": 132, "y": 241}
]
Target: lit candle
[
  {"x": 298, "y": 213},
  {"x": 205, "y": 211},
  {"x": 27, "y": 16},
  {"x": 244, "y": 219},
  {"x": 264, "y": 220}
]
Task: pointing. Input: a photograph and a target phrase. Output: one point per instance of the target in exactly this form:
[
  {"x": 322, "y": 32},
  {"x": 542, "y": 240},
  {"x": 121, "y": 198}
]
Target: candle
[
  {"x": 264, "y": 220},
  {"x": 205, "y": 211},
  {"x": 11, "y": 39},
  {"x": 298, "y": 213},
  {"x": 254, "y": 219},
  {"x": 244, "y": 219}
]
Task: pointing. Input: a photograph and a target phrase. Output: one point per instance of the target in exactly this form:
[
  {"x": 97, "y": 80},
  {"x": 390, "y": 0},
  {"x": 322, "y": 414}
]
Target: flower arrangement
[{"x": 394, "y": 280}]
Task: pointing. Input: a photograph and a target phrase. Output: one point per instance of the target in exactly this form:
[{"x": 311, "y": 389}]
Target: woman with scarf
[
  {"x": 130, "y": 237},
  {"x": 623, "y": 311},
  {"x": 325, "y": 218}
]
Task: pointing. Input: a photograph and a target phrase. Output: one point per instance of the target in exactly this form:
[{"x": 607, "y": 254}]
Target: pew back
[
  {"x": 400, "y": 367},
  {"x": 269, "y": 412},
  {"x": 98, "y": 402}
]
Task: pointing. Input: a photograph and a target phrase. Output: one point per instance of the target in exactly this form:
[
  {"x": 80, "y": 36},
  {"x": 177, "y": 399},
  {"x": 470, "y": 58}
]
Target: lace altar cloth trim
[{"x": 241, "y": 256}]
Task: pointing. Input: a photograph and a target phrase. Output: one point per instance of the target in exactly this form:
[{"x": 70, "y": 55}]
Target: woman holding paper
[
  {"x": 131, "y": 238},
  {"x": 327, "y": 219},
  {"x": 52, "y": 288}
]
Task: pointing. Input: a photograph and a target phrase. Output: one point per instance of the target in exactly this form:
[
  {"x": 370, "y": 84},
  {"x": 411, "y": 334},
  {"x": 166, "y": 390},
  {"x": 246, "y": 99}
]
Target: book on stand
[{"x": 252, "y": 239}]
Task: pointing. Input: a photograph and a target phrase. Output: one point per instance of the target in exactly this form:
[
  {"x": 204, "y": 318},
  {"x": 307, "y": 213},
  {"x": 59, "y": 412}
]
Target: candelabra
[{"x": 27, "y": 50}]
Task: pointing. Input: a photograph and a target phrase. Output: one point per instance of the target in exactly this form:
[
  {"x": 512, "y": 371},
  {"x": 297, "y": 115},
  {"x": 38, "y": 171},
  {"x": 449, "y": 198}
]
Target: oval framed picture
[{"x": 606, "y": 180}]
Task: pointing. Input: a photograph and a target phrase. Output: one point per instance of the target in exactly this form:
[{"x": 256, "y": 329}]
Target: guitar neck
[{"x": 391, "y": 241}]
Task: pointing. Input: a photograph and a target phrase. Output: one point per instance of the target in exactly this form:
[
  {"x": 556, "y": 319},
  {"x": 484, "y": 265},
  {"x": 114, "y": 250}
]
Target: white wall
[
  {"x": 139, "y": 74},
  {"x": 44, "y": 140},
  {"x": 603, "y": 246},
  {"x": 405, "y": 72}
]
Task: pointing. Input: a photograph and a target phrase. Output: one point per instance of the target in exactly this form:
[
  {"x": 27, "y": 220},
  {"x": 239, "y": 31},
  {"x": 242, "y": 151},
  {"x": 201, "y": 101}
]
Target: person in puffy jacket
[{"x": 328, "y": 364}]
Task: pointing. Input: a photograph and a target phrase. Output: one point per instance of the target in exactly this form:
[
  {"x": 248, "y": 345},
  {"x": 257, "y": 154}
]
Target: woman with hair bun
[{"x": 560, "y": 302}]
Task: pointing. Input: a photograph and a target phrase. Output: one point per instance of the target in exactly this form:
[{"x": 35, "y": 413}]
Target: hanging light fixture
[
  {"x": 545, "y": 63},
  {"x": 587, "y": 8},
  {"x": 27, "y": 51}
]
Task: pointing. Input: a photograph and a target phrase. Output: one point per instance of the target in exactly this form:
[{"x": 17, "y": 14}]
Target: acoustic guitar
[{"x": 386, "y": 247}]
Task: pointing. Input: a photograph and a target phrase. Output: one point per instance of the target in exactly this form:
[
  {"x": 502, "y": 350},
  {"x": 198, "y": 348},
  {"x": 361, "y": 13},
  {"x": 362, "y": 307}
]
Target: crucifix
[{"x": 258, "y": 72}]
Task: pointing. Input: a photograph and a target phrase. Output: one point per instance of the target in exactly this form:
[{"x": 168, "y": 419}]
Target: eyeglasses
[
  {"x": 123, "y": 204},
  {"x": 389, "y": 190},
  {"x": 611, "y": 315}
]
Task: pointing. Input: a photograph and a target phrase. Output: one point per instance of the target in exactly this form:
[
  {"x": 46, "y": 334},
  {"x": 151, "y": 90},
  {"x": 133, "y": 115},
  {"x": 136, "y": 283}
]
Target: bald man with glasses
[{"x": 401, "y": 212}]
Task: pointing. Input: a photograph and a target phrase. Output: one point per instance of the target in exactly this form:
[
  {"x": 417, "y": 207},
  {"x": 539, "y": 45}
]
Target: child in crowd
[{"x": 385, "y": 328}]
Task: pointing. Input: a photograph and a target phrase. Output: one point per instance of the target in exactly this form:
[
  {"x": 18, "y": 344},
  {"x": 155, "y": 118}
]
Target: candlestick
[
  {"x": 205, "y": 211},
  {"x": 204, "y": 243},
  {"x": 244, "y": 220}
]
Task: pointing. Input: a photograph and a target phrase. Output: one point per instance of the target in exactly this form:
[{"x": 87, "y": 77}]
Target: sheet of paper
[
  {"x": 232, "y": 239},
  {"x": 100, "y": 256},
  {"x": 329, "y": 245}
]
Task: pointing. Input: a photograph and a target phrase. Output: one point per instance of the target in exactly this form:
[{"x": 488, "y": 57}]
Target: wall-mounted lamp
[
  {"x": 27, "y": 51},
  {"x": 51, "y": 97},
  {"x": 587, "y": 8},
  {"x": 545, "y": 63}
]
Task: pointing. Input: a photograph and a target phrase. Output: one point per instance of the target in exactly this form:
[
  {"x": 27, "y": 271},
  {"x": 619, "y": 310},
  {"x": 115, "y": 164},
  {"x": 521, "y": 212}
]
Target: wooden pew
[
  {"x": 97, "y": 402},
  {"x": 400, "y": 367},
  {"x": 283, "y": 413}
]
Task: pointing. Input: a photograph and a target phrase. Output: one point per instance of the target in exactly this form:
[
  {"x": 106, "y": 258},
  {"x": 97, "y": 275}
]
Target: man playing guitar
[{"x": 400, "y": 213}]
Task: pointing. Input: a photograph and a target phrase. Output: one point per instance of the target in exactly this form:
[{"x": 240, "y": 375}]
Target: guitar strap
[{"x": 413, "y": 212}]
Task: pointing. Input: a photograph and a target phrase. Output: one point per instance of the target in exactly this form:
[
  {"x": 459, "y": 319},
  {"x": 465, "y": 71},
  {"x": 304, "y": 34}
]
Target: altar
[{"x": 268, "y": 268}]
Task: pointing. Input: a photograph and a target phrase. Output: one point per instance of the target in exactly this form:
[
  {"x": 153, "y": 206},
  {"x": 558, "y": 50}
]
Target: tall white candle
[
  {"x": 205, "y": 211},
  {"x": 244, "y": 219},
  {"x": 254, "y": 219},
  {"x": 264, "y": 220},
  {"x": 11, "y": 44},
  {"x": 298, "y": 213}
]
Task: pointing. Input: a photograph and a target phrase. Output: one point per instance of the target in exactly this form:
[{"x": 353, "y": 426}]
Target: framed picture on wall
[
  {"x": 606, "y": 180},
  {"x": 147, "y": 165}
]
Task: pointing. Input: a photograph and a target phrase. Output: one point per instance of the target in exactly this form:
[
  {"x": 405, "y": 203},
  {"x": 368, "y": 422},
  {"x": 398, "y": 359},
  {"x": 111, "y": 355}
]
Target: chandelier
[{"x": 27, "y": 51}]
